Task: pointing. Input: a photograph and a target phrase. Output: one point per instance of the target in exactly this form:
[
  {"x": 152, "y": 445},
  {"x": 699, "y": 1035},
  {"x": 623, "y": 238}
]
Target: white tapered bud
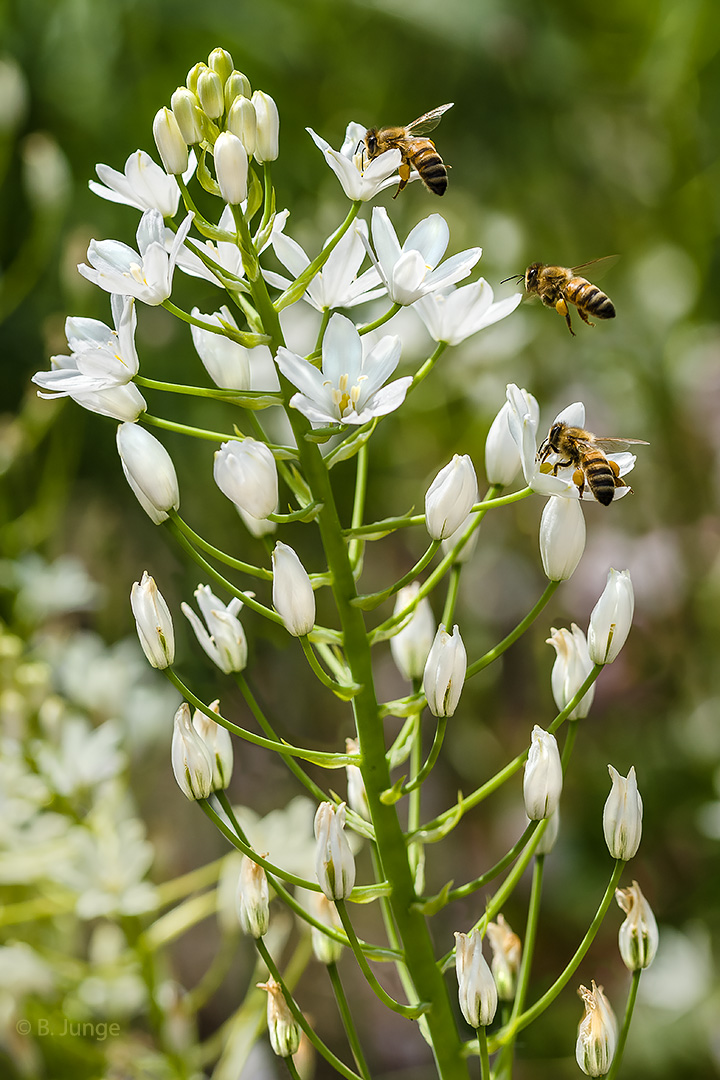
[
  {"x": 186, "y": 109},
  {"x": 570, "y": 670},
  {"x": 543, "y": 779},
  {"x": 477, "y": 992},
  {"x": 153, "y": 621},
  {"x": 326, "y": 949},
  {"x": 191, "y": 762},
  {"x": 169, "y": 141},
  {"x": 267, "y": 137},
  {"x": 246, "y": 473},
  {"x": 210, "y": 92},
  {"x": 292, "y": 592},
  {"x": 411, "y": 645},
  {"x": 506, "y": 955},
  {"x": 597, "y": 1033},
  {"x": 221, "y": 62},
  {"x": 611, "y": 618},
  {"x": 450, "y": 497},
  {"x": 219, "y": 744},
  {"x": 334, "y": 861},
  {"x": 502, "y": 457},
  {"x": 550, "y": 834},
  {"x": 238, "y": 85},
  {"x": 242, "y": 122},
  {"x": 638, "y": 936},
  {"x": 444, "y": 674},
  {"x": 149, "y": 471},
  {"x": 282, "y": 1026},
  {"x": 231, "y": 168},
  {"x": 562, "y": 537},
  {"x": 622, "y": 815},
  {"x": 357, "y": 798},
  {"x": 252, "y": 900}
]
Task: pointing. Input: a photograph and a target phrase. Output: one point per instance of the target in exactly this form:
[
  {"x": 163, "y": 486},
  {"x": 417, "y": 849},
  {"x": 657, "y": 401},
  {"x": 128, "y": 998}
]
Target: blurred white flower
[
  {"x": 359, "y": 182},
  {"x": 286, "y": 834},
  {"x": 83, "y": 757},
  {"x": 456, "y": 314},
  {"x": 44, "y": 589},
  {"x": 337, "y": 284},
  {"x": 412, "y": 643}
]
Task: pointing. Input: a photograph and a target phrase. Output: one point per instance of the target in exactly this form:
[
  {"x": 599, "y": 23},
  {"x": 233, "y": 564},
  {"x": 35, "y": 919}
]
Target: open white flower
[
  {"x": 143, "y": 184},
  {"x": 456, "y": 314},
  {"x": 100, "y": 358},
  {"x": 337, "y": 284},
  {"x": 124, "y": 402},
  {"x": 411, "y": 271},
  {"x": 523, "y": 426},
  {"x": 148, "y": 275},
  {"x": 350, "y": 388},
  {"x": 225, "y": 253},
  {"x": 360, "y": 179},
  {"x": 224, "y": 639}
]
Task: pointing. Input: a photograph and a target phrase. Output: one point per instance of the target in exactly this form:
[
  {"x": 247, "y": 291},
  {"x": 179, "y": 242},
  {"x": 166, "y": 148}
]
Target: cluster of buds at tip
[
  {"x": 411, "y": 645},
  {"x": 450, "y": 497},
  {"x": 622, "y": 815},
  {"x": 153, "y": 622},
  {"x": 597, "y": 1033},
  {"x": 219, "y": 744},
  {"x": 283, "y": 1028},
  {"x": 507, "y": 952},
  {"x": 444, "y": 674},
  {"x": 611, "y": 618},
  {"x": 571, "y": 668},
  {"x": 638, "y": 936},
  {"x": 543, "y": 779},
  {"x": 477, "y": 991},
  {"x": 334, "y": 861},
  {"x": 252, "y": 900},
  {"x": 191, "y": 759},
  {"x": 292, "y": 592},
  {"x": 149, "y": 471},
  {"x": 326, "y": 949}
]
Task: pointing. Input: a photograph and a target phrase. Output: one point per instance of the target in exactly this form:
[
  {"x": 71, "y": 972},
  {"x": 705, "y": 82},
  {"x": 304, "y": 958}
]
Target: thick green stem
[{"x": 622, "y": 1038}]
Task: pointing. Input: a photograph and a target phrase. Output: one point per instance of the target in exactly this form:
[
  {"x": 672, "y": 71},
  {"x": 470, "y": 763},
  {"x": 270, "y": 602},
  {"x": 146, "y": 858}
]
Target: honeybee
[
  {"x": 416, "y": 151},
  {"x": 585, "y": 451},
  {"x": 558, "y": 286}
]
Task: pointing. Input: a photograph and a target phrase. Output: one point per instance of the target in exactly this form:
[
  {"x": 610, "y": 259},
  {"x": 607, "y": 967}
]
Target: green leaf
[
  {"x": 393, "y": 794},
  {"x": 207, "y": 180},
  {"x": 433, "y": 904}
]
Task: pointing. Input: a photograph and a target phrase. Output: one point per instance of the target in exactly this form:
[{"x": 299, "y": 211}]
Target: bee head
[
  {"x": 531, "y": 276},
  {"x": 371, "y": 141},
  {"x": 555, "y": 434}
]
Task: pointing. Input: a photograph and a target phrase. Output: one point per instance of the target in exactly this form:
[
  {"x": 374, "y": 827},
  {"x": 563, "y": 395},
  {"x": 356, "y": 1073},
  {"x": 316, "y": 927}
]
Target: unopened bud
[
  {"x": 219, "y": 743},
  {"x": 611, "y": 618},
  {"x": 186, "y": 109},
  {"x": 622, "y": 816},
  {"x": 477, "y": 992},
  {"x": 253, "y": 899},
  {"x": 326, "y": 949},
  {"x": 241, "y": 121},
  {"x": 356, "y": 794},
  {"x": 238, "y": 85},
  {"x": 169, "y": 141},
  {"x": 191, "y": 762},
  {"x": 292, "y": 592},
  {"x": 334, "y": 861},
  {"x": 268, "y": 127},
  {"x": 210, "y": 92},
  {"x": 444, "y": 675},
  {"x": 638, "y": 936},
  {"x": 193, "y": 75},
  {"x": 149, "y": 471},
  {"x": 570, "y": 670},
  {"x": 502, "y": 457},
  {"x": 153, "y": 621},
  {"x": 597, "y": 1033},
  {"x": 283, "y": 1029},
  {"x": 562, "y": 537},
  {"x": 467, "y": 550},
  {"x": 543, "y": 779},
  {"x": 246, "y": 473},
  {"x": 411, "y": 645},
  {"x": 450, "y": 497},
  {"x": 550, "y": 833},
  {"x": 231, "y": 168},
  {"x": 221, "y": 62}
]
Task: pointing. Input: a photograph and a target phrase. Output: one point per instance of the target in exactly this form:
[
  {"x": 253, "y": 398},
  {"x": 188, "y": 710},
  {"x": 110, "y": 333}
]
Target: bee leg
[
  {"x": 562, "y": 309},
  {"x": 560, "y": 465},
  {"x": 404, "y": 173},
  {"x": 584, "y": 317},
  {"x": 579, "y": 481}
]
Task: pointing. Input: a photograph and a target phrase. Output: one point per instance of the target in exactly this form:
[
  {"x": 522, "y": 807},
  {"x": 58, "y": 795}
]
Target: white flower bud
[
  {"x": 186, "y": 109},
  {"x": 169, "y": 141},
  {"x": 224, "y": 640},
  {"x": 227, "y": 362},
  {"x": 356, "y": 794},
  {"x": 502, "y": 457},
  {"x": 242, "y": 122},
  {"x": 221, "y": 62},
  {"x": 597, "y": 1033},
  {"x": 252, "y": 900},
  {"x": 411, "y": 645},
  {"x": 210, "y": 92},
  {"x": 153, "y": 621},
  {"x": 326, "y": 949},
  {"x": 562, "y": 537},
  {"x": 246, "y": 473},
  {"x": 611, "y": 618},
  {"x": 282, "y": 1027},
  {"x": 292, "y": 593},
  {"x": 231, "y": 168},
  {"x": 468, "y": 550},
  {"x": 543, "y": 779},
  {"x": 238, "y": 85},
  {"x": 191, "y": 762},
  {"x": 450, "y": 497},
  {"x": 268, "y": 127},
  {"x": 477, "y": 992},
  {"x": 444, "y": 674},
  {"x": 193, "y": 75},
  {"x": 149, "y": 471},
  {"x": 570, "y": 670},
  {"x": 257, "y": 527},
  {"x": 638, "y": 936},
  {"x": 507, "y": 952},
  {"x": 219, "y": 743},
  {"x": 622, "y": 815},
  {"x": 550, "y": 833},
  {"x": 334, "y": 861}
]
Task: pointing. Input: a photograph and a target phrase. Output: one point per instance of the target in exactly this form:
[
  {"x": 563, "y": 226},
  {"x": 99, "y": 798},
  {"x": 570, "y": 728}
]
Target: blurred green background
[{"x": 578, "y": 131}]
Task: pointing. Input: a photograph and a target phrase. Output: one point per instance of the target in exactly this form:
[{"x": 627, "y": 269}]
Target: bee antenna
[{"x": 513, "y": 277}]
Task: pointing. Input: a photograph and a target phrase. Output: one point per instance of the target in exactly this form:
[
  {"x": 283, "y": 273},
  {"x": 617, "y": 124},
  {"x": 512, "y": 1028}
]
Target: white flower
[
  {"x": 337, "y": 284},
  {"x": 411, "y": 645},
  {"x": 450, "y": 497},
  {"x": 292, "y": 593},
  {"x": 190, "y": 757},
  {"x": 246, "y": 474},
  {"x": 507, "y": 953},
  {"x": 143, "y": 185},
  {"x": 147, "y": 276},
  {"x": 348, "y": 164},
  {"x": 477, "y": 991},
  {"x": 570, "y": 670},
  {"x": 622, "y": 815},
  {"x": 611, "y": 618},
  {"x": 124, "y": 403},
  {"x": 224, "y": 639},
  {"x": 153, "y": 622},
  {"x": 253, "y": 899},
  {"x": 149, "y": 471},
  {"x": 597, "y": 1033},
  {"x": 225, "y": 253},
  {"x": 638, "y": 937},
  {"x": 231, "y": 168},
  {"x": 456, "y": 314},
  {"x": 242, "y": 121},
  {"x": 350, "y": 388},
  {"x": 169, "y": 141},
  {"x": 219, "y": 743},
  {"x": 411, "y": 271},
  {"x": 283, "y": 1029},
  {"x": 334, "y": 861},
  {"x": 562, "y": 537},
  {"x": 444, "y": 674},
  {"x": 543, "y": 779},
  {"x": 502, "y": 456},
  {"x": 228, "y": 363}
]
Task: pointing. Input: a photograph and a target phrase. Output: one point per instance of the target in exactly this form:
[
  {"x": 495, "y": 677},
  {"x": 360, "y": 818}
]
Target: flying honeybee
[
  {"x": 585, "y": 451},
  {"x": 417, "y": 151},
  {"x": 558, "y": 286}
]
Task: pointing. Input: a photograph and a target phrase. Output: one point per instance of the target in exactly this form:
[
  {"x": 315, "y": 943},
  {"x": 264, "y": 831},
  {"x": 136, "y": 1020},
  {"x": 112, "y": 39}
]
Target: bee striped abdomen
[
  {"x": 431, "y": 168},
  {"x": 588, "y": 297},
  {"x": 600, "y": 478}
]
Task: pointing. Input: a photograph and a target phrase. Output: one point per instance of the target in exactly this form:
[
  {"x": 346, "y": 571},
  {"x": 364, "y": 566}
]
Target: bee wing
[
  {"x": 601, "y": 265},
  {"x": 613, "y": 445},
  {"x": 429, "y": 120}
]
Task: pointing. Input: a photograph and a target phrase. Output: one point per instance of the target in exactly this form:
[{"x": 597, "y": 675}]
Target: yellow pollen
[{"x": 136, "y": 272}]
